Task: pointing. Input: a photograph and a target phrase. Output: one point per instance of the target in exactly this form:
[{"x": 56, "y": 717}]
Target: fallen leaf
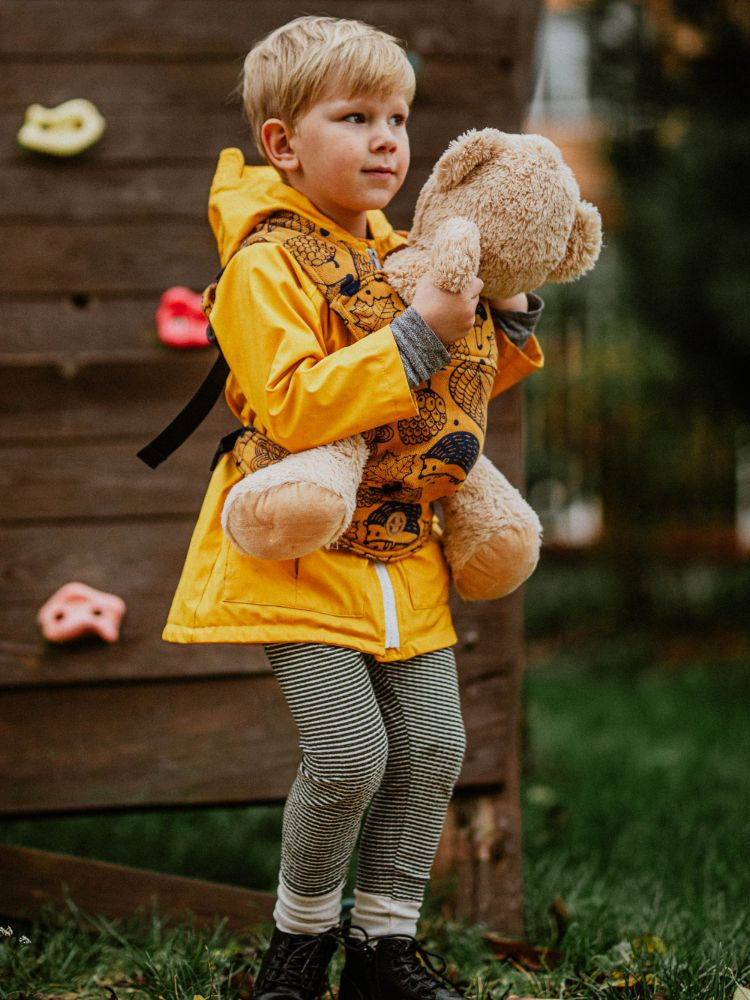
[
  {"x": 115, "y": 978},
  {"x": 621, "y": 980},
  {"x": 522, "y": 953},
  {"x": 741, "y": 993},
  {"x": 624, "y": 953},
  {"x": 649, "y": 943},
  {"x": 241, "y": 985}
]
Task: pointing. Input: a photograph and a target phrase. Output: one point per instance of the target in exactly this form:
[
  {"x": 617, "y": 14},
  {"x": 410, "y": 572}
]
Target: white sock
[
  {"x": 296, "y": 914},
  {"x": 380, "y": 915}
]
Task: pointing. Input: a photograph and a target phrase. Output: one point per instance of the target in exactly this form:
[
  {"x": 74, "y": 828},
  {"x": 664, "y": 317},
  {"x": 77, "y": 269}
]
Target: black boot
[
  {"x": 398, "y": 968},
  {"x": 294, "y": 967}
]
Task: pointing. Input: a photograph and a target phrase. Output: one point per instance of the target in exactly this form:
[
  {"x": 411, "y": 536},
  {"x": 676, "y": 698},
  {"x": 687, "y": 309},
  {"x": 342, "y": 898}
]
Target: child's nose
[{"x": 384, "y": 139}]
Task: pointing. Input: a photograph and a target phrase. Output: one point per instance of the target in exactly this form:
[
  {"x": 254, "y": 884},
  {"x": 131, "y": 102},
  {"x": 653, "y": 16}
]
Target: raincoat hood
[{"x": 242, "y": 196}]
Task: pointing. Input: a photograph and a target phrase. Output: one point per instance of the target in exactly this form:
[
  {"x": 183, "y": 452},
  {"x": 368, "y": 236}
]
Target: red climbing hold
[{"x": 179, "y": 319}]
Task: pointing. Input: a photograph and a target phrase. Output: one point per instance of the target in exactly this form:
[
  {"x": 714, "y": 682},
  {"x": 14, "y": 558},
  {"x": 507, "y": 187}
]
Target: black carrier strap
[
  {"x": 190, "y": 416},
  {"x": 194, "y": 412}
]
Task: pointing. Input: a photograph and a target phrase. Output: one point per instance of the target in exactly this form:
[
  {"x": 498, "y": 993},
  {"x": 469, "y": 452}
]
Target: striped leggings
[{"x": 387, "y": 735}]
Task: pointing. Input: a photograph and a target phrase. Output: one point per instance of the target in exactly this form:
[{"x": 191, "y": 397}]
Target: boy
[{"x": 358, "y": 639}]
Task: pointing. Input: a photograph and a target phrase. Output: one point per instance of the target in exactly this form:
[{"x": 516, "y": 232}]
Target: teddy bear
[{"x": 508, "y": 209}]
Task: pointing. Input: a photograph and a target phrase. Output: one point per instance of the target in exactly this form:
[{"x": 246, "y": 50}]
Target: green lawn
[{"x": 637, "y": 818}]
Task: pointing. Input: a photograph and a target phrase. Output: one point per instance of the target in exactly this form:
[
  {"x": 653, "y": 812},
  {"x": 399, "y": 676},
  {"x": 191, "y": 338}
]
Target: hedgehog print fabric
[{"x": 417, "y": 461}]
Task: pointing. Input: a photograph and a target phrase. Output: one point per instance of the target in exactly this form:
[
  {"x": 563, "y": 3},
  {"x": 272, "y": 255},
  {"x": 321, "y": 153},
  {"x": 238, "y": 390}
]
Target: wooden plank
[
  {"x": 214, "y": 742},
  {"x": 150, "y": 134},
  {"x": 106, "y": 257},
  {"x": 87, "y": 191},
  {"x": 200, "y": 28},
  {"x": 478, "y": 86},
  {"x": 82, "y": 480},
  {"x": 32, "y": 879},
  {"x": 181, "y": 87},
  {"x": 137, "y": 560},
  {"x": 157, "y": 136},
  {"x": 217, "y": 741},
  {"x": 85, "y": 479},
  {"x": 68, "y": 325},
  {"x": 93, "y": 395},
  {"x": 27, "y": 660}
]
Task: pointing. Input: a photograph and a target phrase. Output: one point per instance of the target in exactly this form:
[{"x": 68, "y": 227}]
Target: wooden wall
[{"x": 88, "y": 245}]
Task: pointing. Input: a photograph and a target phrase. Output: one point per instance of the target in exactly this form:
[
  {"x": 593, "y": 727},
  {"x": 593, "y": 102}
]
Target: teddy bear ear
[
  {"x": 544, "y": 148},
  {"x": 467, "y": 152},
  {"x": 584, "y": 245}
]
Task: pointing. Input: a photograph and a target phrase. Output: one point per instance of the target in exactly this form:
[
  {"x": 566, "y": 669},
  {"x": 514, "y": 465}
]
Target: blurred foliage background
[{"x": 638, "y": 431}]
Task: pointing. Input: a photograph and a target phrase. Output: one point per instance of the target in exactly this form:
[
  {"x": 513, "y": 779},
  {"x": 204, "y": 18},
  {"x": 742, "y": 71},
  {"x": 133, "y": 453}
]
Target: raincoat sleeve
[
  {"x": 271, "y": 323},
  {"x": 518, "y": 349},
  {"x": 514, "y": 363}
]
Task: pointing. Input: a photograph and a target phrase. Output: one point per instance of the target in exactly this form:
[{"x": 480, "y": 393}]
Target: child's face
[{"x": 350, "y": 155}]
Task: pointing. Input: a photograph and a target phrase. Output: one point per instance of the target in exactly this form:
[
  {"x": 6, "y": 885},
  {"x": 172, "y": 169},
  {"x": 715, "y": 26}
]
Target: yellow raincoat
[{"x": 301, "y": 378}]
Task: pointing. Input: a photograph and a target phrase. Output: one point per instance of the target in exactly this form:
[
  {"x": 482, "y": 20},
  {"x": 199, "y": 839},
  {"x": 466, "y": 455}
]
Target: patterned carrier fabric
[{"x": 414, "y": 461}]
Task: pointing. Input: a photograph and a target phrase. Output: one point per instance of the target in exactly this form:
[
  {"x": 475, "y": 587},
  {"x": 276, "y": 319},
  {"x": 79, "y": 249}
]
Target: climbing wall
[{"x": 89, "y": 244}]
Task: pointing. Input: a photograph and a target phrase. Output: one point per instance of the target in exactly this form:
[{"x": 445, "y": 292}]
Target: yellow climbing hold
[{"x": 65, "y": 130}]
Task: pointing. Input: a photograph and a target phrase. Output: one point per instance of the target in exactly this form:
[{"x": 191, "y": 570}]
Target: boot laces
[
  {"x": 298, "y": 964},
  {"x": 413, "y": 961}
]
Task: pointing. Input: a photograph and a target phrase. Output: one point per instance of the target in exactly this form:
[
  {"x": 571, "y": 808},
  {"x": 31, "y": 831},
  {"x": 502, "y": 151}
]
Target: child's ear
[{"x": 278, "y": 144}]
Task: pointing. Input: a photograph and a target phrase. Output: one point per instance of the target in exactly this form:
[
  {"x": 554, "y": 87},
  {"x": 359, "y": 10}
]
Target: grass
[{"x": 636, "y": 820}]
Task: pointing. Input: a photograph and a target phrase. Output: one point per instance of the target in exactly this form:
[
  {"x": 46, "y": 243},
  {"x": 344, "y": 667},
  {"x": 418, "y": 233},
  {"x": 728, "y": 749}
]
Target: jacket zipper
[{"x": 392, "y": 636}]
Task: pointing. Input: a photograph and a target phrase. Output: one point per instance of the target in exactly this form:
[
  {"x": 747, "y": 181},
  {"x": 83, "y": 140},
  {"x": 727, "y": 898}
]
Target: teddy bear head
[{"x": 533, "y": 225}]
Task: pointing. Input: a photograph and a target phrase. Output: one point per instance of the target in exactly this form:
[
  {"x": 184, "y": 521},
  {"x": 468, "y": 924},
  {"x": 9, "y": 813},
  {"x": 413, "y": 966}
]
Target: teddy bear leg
[
  {"x": 298, "y": 505},
  {"x": 492, "y": 536}
]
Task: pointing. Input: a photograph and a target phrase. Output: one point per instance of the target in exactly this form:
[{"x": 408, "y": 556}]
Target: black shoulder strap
[{"x": 189, "y": 417}]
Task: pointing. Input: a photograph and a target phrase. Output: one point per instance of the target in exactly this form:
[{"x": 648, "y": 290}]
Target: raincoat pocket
[
  {"x": 250, "y": 581},
  {"x": 427, "y": 579},
  {"x": 321, "y": 582},
  {"x": 332, "y": 586}
]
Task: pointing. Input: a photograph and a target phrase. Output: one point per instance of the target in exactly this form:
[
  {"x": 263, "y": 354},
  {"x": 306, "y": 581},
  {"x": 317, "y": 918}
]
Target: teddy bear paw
[
  {"x": 501, "y": 565},
  {"x": 284, "y": 522},
  {"x": 298, "y": 505}
]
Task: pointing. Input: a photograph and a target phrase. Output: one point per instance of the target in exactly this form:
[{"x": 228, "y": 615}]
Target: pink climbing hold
[
  {"x": 76, "y": 610},
  {"x": 179, "y": 319}
]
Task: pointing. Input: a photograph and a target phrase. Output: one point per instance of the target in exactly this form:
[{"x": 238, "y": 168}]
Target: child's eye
[
  {"x": 398, "y": 119},
  {"x": 356, "y": 116}
]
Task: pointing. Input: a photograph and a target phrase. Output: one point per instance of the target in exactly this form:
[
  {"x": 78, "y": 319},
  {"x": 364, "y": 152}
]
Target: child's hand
[
  {"x": 449, "y": 314},
  {"x": 518, "y": 303}
]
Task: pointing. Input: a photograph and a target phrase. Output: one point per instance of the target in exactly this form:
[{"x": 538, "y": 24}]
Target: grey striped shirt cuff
[
  {"x": 422, "y": 352},
  {"x": 519, "y": 326}
]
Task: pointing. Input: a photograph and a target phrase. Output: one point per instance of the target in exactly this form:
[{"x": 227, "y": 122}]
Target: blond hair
[{"x": 291, "y": 69}]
